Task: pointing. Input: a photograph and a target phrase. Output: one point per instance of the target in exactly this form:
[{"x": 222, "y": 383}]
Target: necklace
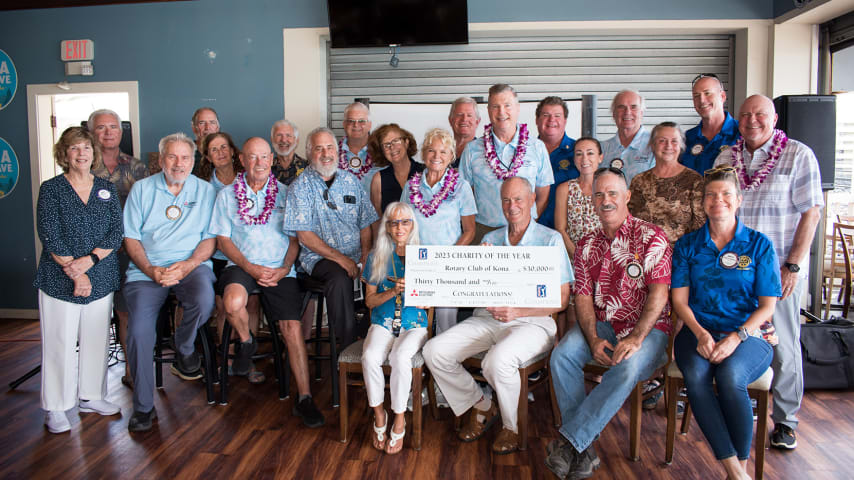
[
  {"x": 492, "y": 157},
  {"x": 417, "y": 200},
  {"x": 243, "y": 204},
  {"x": 355, "y": 162},
  {"x": 752, "y": 182}
]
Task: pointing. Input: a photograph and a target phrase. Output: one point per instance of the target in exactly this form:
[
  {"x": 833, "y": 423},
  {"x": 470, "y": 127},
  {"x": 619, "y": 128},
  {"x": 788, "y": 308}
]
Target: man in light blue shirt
[
  {"x": 248, "y": 221},
  {"x": 332, "y": 215},
  {"x": 631, "y": 143},
  {"x": 717, "y": 130},
  {"x": 166, "y": 219},
  {"x": 485, "y": 171},
  {"x": 510, "y": 336},
  {"x": 353, "y": 153}
]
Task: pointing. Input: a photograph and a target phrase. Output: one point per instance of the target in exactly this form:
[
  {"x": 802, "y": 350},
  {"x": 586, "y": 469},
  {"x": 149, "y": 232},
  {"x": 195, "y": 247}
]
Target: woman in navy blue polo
[{"x": 725, "y": 284}]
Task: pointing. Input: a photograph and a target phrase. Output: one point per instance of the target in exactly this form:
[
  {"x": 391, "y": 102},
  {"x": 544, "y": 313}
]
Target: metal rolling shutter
[{"x": 661, "y": 67}]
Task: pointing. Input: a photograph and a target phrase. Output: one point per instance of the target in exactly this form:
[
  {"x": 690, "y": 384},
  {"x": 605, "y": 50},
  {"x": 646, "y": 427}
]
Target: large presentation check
[{"x": 482, "y": 276}]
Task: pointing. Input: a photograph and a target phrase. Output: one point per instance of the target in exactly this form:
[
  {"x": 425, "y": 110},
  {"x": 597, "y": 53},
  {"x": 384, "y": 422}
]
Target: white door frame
[{"x": 33, "y": 117}]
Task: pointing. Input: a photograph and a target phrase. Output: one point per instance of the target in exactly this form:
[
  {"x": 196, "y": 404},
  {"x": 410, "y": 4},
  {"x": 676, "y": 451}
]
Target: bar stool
[
  {"x": 282, "y": 373},
  {"x": 165, "y": 327},
  {"x": 314, "y": 289}
]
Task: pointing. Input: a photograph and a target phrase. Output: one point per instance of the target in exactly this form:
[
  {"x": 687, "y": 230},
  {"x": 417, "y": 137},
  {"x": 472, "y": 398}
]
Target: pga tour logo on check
[
  {"x": 541, "y": 291},
  {"x": 422, "y": 254}
]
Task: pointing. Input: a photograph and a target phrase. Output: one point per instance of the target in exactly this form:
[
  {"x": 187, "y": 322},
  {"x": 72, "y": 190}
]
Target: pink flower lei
[
  {"x": 430, "y": 208},
  {"x": 243, "y": 206},
  {"x": 492, "y": 157},
  {"x": 747, "y": 182},
  {"x": 344, "y": 164}
]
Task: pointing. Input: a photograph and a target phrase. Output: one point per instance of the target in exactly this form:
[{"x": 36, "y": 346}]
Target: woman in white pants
[
  {"x": 79, "y": 222},
  {"x": 396, "y": 333}
]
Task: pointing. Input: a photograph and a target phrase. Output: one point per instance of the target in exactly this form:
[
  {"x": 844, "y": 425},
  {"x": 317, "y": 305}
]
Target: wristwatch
[
  {"x": 742, "y": 334},
  {"x": 793, "y": 267}
]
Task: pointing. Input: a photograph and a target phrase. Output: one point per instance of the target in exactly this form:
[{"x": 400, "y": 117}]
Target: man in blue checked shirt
[
  {"x": 506, "y": 150},
  {"x": 331, "y": 215},
  {"x": 166, "y": 219}
]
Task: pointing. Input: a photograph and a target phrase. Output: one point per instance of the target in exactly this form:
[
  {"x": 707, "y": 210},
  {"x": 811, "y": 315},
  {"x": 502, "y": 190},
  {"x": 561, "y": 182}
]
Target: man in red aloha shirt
[{"x": 621, "y": 302}]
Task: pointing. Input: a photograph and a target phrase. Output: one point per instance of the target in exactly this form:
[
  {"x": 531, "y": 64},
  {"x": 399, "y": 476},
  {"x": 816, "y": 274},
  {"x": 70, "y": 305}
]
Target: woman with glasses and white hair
[
  {"x": 396, "y": 332},
  {"x": 669, "y": 195},
  {"x": 725, "y": 284}
]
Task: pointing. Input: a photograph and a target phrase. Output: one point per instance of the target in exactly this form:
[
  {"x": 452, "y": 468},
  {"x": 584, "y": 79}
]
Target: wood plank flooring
[{"x": 255, "y": 436}]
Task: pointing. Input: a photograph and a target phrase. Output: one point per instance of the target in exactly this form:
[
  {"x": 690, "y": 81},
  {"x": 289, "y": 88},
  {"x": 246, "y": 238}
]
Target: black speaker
[{"x": 811, "y": 119}]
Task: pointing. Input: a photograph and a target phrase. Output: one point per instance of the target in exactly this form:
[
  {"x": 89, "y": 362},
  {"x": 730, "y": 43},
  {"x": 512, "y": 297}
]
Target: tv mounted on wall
[{"x": 380, "y": 23}]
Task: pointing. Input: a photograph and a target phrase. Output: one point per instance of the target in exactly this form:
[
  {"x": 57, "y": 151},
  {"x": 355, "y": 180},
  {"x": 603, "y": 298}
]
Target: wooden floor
[{"x": 256, "y": 436}]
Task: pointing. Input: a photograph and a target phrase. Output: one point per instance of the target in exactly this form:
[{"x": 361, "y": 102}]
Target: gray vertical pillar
[{"x": 588, "y": 116}]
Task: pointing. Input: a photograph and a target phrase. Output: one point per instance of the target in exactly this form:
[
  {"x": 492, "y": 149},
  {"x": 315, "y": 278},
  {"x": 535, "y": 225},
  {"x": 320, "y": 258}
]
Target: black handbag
[{"x": 827, "y": 349}]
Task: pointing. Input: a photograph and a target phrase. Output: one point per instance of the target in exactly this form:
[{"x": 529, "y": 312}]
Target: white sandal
[
  {"x": 379, "y": 433},
  {"x": 394, "y": 438}
]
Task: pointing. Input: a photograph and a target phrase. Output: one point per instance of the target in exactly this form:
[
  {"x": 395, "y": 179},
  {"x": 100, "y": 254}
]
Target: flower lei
[
  {"x": 243, "y": 205},
  {"x": 417, "y": 200},
  {"x": 344, "y": 164},
  {"x": 492, "y": 158},
  {"x": 747, "y": 182}
]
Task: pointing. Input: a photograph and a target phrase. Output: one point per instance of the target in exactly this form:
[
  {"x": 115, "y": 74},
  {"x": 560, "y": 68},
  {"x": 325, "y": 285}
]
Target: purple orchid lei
[
  {"x": 243, "y": 206},
  {"x": 343, "y": 164},
  {"x": 430, "y": 208},
  {"x": 492, "y": 158},
  {"x": 747, "y": 182}
]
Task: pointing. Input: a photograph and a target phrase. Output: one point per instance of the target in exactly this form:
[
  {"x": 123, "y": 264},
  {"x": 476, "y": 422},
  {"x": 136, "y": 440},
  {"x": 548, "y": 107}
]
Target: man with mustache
[
  {"x": 504, "y": 151},
  {"x": 464, "y": 119},
  {"x": 331, "y": 215},
  {"x": 287, "y": 165},
  {"x": 622, "y": 277},
  {"x": 629, "y": 149},
  {"x": 166, "y": 219},
  {"x": 781, "y": 187},
  {"x": 717, "y": 130},
  {"x": 510, "y": 336}
]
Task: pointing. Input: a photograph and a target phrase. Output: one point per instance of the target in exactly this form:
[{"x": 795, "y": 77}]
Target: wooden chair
[
  {"x": 350, "y": 362},
  {"x": 838, "y": 265},
  {"x": 538, "y": 363},
  {"x": 757, "y": 390}
]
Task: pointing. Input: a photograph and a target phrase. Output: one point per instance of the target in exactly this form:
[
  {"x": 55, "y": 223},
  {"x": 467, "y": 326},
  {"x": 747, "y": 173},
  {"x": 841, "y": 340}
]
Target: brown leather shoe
[
  {"x": 473, "y": 430},
  {"x": 506, "y": 442}
]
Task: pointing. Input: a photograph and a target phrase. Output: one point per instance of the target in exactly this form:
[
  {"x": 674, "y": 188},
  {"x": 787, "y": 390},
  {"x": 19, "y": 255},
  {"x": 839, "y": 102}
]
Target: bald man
[{"x": 783, "y": 200}]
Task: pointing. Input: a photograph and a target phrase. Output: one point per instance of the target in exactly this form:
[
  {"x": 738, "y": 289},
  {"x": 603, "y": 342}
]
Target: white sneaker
[
  {"x": 101, "y": 407},
  {"x": 57, "y": 422}
]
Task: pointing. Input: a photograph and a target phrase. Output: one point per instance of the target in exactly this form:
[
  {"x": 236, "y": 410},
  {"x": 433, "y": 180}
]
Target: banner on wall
[
  {"x": 8, "y": 168},
  {"x": 8, "y": 80}
]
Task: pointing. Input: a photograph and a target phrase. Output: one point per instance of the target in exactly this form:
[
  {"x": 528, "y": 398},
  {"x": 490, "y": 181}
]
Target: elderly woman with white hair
[
  {"x": 396, "y": 332},
  {"x": 670, "y": 194},
  {"x": 443, "y": 203}
]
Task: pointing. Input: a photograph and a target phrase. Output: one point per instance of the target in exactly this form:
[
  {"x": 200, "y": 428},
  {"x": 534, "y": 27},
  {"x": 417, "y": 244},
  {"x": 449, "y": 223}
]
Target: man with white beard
[
  {"x": 331, "y": 215},
  {"x": 166, "y": 219},
  {"x": 287, "y": 165}
]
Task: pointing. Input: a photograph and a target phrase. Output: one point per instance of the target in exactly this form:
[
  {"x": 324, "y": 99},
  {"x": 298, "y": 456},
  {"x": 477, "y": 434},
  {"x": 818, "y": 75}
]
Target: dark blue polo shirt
[
  {"x": 564, "y": 169},
  {"x": 705, "y": 159},
  {"x": 725, "y": 286}
]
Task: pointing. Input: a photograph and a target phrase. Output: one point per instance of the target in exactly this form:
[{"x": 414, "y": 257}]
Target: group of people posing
[{"x": 706, "y": 230}]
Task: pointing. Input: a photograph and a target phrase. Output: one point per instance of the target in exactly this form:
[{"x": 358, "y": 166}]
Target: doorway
[{"x": 54, "y": 107}]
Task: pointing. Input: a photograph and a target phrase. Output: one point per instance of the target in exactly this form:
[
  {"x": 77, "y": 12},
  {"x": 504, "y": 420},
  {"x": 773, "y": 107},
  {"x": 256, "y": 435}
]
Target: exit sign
[{"x": 73, "y": 50}]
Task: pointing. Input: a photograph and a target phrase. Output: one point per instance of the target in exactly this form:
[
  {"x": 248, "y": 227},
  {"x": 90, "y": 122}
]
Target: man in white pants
[{"x": 511, "y": 335}]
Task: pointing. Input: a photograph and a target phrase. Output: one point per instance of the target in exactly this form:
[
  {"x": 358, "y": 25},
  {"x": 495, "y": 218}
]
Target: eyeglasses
[
  {"x": 406, "y": 222},
  {"x": 361, "y": 122},
  {"x": 723, "y": 168},
  {"x": 329, "y": 202},
  {"x": 704, "y": 75},
  {"x": 394, "y": 143}
]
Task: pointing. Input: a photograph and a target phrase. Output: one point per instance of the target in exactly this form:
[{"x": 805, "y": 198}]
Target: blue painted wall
[{"x": 165, "y": 47}]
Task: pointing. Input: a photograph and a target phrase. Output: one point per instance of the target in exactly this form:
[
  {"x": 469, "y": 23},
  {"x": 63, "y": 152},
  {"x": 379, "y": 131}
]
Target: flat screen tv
[{"x": 378, "y": 23}]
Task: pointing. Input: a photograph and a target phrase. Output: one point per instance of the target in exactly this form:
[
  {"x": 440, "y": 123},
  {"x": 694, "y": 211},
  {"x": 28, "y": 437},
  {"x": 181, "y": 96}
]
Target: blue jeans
[
  {"x": 585, "y": 416},
  {"x": 725, "y": 416}
]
